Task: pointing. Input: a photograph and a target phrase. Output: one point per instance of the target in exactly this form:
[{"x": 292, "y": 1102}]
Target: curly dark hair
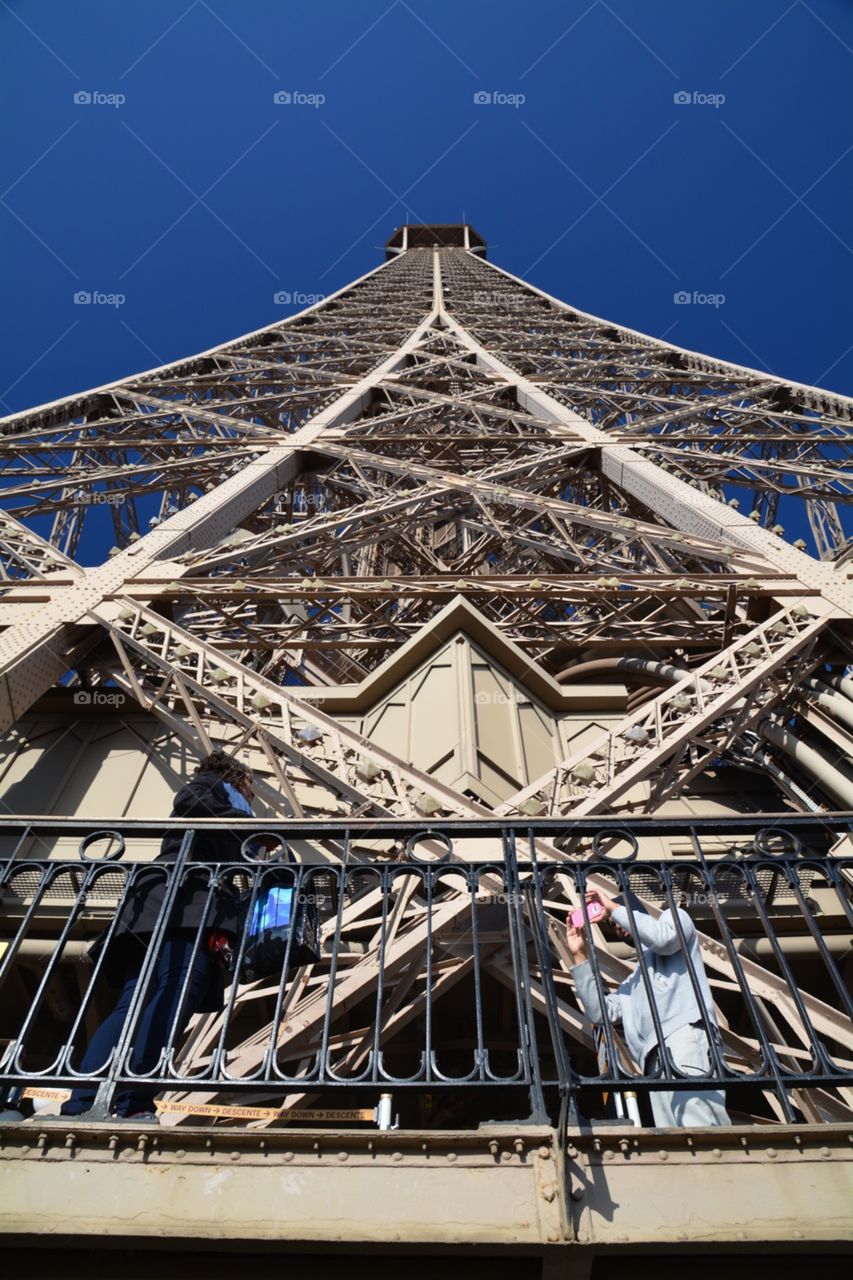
[{"x": 229, "y": 769}]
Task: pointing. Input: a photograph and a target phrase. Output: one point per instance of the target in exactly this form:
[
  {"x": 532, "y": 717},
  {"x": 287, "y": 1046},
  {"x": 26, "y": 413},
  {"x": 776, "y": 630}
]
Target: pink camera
[{"x": 595, "y": 910}]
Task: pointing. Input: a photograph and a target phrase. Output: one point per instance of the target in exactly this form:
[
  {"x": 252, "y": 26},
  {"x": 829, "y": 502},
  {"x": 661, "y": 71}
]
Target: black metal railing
[{"x": 445, "y": 980}]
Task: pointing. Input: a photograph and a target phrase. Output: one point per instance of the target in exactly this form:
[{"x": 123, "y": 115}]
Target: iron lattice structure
[
  {"x": 291, "y": 507},
  {"x": 437, "y": 442}
]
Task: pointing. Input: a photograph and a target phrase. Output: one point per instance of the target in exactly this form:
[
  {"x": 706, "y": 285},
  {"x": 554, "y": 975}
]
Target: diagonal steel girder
[
  {"x": 678, "y": 503},
  {"x": 722, "y": 698},
  {"x": 604, "y": 339},
  {"x": 149, "y": 645},
  {"x": 34, "y": 557},
  {"x": 487, "y": 484},
  {"x": 36, "y": 653},
  {"x": 623, "y": 379},
  {"x": 693, "y": 720}
]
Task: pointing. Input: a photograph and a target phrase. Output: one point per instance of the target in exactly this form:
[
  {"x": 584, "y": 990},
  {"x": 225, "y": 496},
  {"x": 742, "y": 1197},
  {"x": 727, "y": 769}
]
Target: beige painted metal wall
[{"x": 502, "y": 1187}]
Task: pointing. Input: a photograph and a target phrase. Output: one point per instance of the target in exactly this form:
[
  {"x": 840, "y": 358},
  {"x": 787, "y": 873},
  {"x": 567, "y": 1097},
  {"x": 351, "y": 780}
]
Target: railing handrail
[{"x": 637, "y": 823}]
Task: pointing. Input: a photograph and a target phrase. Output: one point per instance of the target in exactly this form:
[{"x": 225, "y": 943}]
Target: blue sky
[{"x": 197, "y": 198}]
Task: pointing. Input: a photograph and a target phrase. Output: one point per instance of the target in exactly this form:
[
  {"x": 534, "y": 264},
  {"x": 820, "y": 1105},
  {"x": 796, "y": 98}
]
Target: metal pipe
[
  {"x": 639, "y": 695},
  {"x": 45, "y": 948},
  {"x": 594, "y": 667},
  {"x": 791, "y": 944},
  {"x": 834, "y": 704},
  {"x": 811, "y": 759},
  {"x": 835, "y": 747},
  {"x": 756, "y": 756},
  {"x": 662, "y": 672},
  {"x": 842, "y": 684},
  {"x": 800, "y": 945}
]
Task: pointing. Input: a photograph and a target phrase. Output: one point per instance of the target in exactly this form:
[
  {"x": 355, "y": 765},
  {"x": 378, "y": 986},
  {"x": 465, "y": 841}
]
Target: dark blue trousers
[{"x": 152, "y": 1032}]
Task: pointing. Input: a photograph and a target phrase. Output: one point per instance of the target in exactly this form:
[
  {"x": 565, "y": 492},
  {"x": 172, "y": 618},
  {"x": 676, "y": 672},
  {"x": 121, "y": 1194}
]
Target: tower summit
[{"x": 439, "y": 235}]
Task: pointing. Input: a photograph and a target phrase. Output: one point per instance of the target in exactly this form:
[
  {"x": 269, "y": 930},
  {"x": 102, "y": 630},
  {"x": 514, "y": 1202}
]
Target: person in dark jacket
[{"x": 221, "y": 788}]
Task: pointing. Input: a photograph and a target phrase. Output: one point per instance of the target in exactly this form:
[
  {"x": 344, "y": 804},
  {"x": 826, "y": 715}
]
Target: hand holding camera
[
  {"x": 595, "y": 911},
  {"x": 599, "y": 907}
]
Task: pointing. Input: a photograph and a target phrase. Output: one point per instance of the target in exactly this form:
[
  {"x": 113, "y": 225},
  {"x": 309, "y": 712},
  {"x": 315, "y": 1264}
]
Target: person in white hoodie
[{"x": 675, "y": 1000}]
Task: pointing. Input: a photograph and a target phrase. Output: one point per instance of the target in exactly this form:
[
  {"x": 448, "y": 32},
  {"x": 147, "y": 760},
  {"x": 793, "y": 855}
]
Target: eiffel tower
[
  {"x": 303, "y": 516},
  {"x": 443, "y": 547}
]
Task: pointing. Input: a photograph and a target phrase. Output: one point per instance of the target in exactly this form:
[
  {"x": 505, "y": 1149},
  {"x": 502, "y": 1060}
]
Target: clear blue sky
[{"x": 198, "y": 197}]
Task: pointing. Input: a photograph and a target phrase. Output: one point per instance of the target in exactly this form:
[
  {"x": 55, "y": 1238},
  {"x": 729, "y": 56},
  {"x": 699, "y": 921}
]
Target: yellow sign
[
  {"x": 228, "y": 1113},
  {"x": 261, "y": 1113}
]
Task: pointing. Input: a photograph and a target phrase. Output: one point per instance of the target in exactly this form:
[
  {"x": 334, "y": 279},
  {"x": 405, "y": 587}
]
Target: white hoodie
[{"x": 669, "y": 977}]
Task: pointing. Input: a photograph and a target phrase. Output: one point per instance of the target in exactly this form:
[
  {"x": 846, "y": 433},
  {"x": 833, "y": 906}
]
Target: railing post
[
  {"x": 566, "y": 1078},
  {"x": 521, "y": 969}
]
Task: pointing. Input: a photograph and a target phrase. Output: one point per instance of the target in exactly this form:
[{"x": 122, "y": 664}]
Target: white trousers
[{"x": 689, "y": 1051}]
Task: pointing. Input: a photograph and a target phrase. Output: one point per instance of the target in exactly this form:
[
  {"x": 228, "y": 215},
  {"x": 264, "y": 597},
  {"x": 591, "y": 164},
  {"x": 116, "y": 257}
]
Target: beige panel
[
  {"x": 539, "y": 736},
  {"x": 575, "y": 730},
  {"x": 449, "y": 773},
  {"x": 46, "y": 754},
  {"x": 434, "y": 715},
  {"x": 494, "y": 706},
  {"x": 104, "y": 776},
  {"x": 159, "y": 776},
  {"x": 498, "y": 782},
  {"x": 463, "y": 718},
  {"x": 94, "y": 767},
  {"x": 388, "y": 727}
]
